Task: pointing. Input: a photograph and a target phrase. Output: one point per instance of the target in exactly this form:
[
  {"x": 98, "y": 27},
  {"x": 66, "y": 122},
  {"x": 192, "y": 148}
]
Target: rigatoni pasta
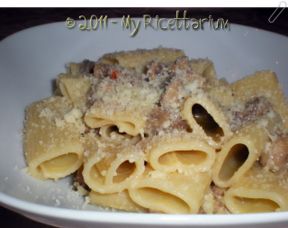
[
  {"x": 74, "y": 89},
  {"x": 238, "y": 155},
  {"x": 206, "y": 118},
  {"x": 258, "y": 191},
  {"x": 97, "y": 117},
  {"x": 155, "y": 131},
  {"x": 52, "y": 141},
  {"x": 170, "y": 192},
  {"x": 180, "y": 152},
  {"x": 139, "y": 59},
  {"x": 109, "y": 168},
  {"x": 204, "y": 67},
  {"x": 263, "y": 83},
  {"x": 126, "y": 105}
]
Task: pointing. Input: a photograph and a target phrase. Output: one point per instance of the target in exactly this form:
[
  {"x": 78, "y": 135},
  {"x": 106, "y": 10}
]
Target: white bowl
[{"x": 31, "y": 59}]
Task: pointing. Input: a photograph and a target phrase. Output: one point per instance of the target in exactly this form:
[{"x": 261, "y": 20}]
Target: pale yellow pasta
[
  {"x": 74, "y": 88},
  {"x": 138, "y": 59},
  {"x": 127, "y": 122},
  {"x": 221, "y": 94},
  {"x": 238, "y": 155},
  {"x": 206, "y": 118},
  {"x": 74, "y": 69},
  {"x": 110, "y": 169},
  {"x": 124, "y": 105},
  {"x": 180, "y": 152},
  {"x": 258, "y": 191},
  {"x": 204, "y": 67},
  {"x": 52, "y": 138},
  {"x": 119, "y": 200},
  {"x": 80, "y": 69},
  {"x": 263, "y": 83},
  {"x": 170, "y": 192},
  {"x": 155, "y": 131}
]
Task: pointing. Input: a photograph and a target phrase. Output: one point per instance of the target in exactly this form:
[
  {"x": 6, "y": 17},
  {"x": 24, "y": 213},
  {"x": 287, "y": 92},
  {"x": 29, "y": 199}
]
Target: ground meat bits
[{"x": 276, "y": 156}]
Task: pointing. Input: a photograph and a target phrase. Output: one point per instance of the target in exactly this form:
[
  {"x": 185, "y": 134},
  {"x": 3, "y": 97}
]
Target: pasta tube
[
  {"x": 111, "y": 169},
  {"x": 263, "y": 83},
  {"x": 182, "y": 153},
  {"x": 170, "y": 192},
  {"x": 74, "y": 88},
  {"x": 52, "y": 141},
  {"x": 238, "y": 155},
  {"x": 207, "y": 118},
  {"x": 140, "y": 58},
  {"x": 258, "y": 191}
]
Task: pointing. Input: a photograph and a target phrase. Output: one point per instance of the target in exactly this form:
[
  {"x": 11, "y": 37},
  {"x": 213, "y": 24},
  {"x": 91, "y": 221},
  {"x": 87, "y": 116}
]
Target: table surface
[{"x": 13, "y": 20}]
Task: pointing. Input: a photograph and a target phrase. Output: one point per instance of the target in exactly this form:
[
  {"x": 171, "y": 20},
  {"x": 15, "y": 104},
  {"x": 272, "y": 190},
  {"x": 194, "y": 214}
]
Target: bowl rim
[{"x": 140, "y": 218}]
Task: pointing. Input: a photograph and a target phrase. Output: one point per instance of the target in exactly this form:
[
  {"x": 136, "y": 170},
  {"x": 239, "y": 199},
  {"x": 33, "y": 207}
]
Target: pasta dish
[{"x": 156, "y": 131}]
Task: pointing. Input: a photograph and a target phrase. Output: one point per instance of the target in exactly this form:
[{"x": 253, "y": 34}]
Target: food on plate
[{"x": 155, "y": 131}]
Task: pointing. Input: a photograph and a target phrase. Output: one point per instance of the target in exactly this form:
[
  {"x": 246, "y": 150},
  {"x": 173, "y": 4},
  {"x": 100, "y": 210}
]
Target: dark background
[
  {"x": 13, "y": 20},
  {"x": 16, "y": 19}
]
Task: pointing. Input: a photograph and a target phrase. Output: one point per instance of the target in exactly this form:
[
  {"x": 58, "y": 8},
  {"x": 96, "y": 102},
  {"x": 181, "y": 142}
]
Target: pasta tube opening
[
  {"x": 114, "y": 129},
  {"x": 255, "y": 205},
  {"x": 127, "y": 127},
  {"x": 184, "y": 154},
  {"x": 112, "y": 134},
  {"x": 236, "y": 157},
  {"x": 185, "y": 157},
  {"x": 257, "y": 191},
  {"x": 58, "y": 166},
  {"x": 157, "y": 200},
  {"x": 123, "y": 126},
  {"x": 95, "y": 122},
  {"x": 124, "y": 171},
  {"x": 113, "y": 173},
  {"x": 207, "y": 122}
]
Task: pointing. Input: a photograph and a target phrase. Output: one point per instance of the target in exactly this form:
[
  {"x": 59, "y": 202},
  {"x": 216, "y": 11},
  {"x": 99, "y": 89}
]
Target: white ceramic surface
[{"x": 30, "y": 60}]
